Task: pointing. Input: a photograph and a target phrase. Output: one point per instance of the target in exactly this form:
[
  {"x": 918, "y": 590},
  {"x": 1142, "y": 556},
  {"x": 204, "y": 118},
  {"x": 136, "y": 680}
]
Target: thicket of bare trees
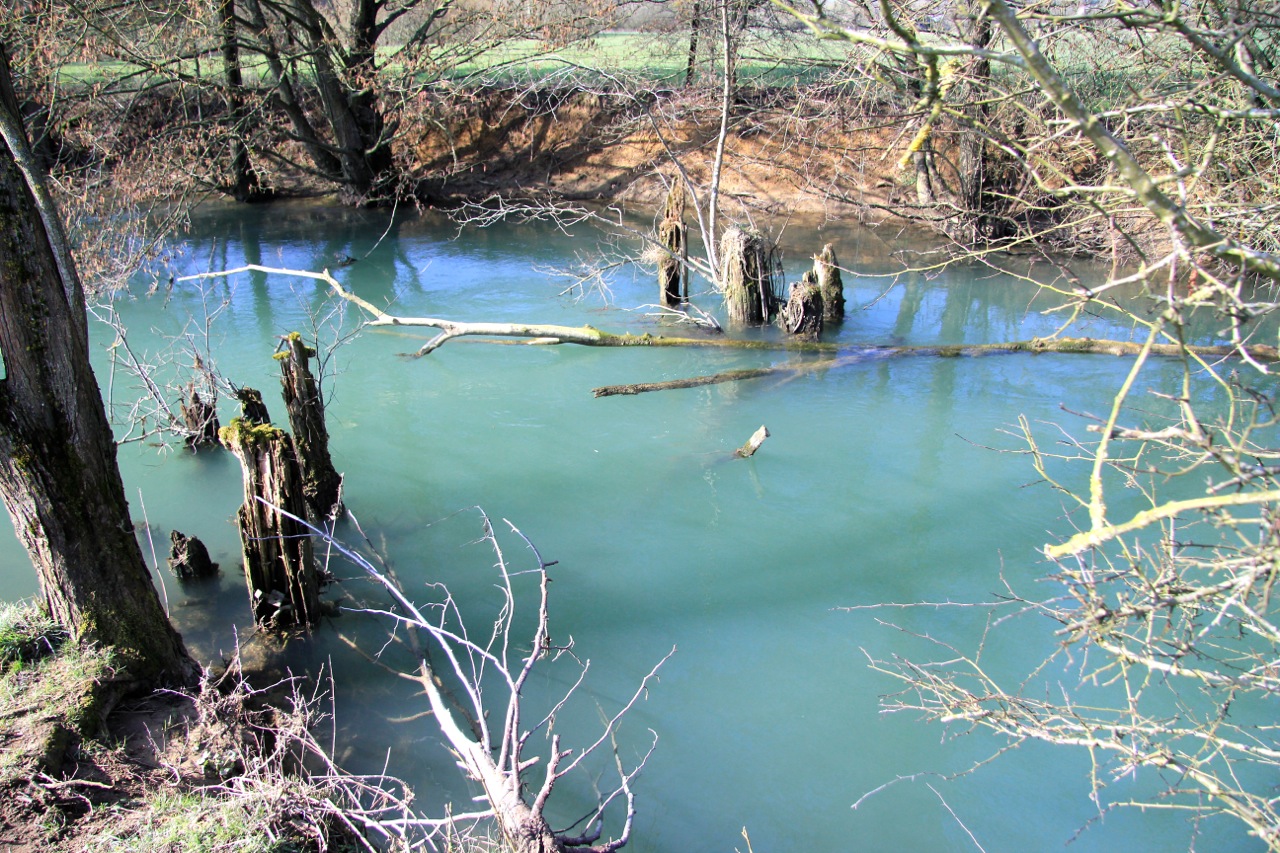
[{"x": 1164, "y": 155}]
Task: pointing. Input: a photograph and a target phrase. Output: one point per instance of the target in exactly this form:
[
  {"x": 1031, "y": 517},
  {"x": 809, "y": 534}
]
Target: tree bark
[
  {"x": 245, "y": 185},
  {"x": 321, "y": 484},
  {"x": 252, "y": 408},
  {"x": 695, "y": 24},
  {"x": 200, "y": 418},
  {"x": 278, "y": 560},
  {"x": 802, "y": 315},
  {"x": 58, "y": 472},
  {"x": 747, "y": 270},
  {"x": 189, "y": 558},
  {"x": 831, "y": 284},
  {"x": 673, "y": 234}
]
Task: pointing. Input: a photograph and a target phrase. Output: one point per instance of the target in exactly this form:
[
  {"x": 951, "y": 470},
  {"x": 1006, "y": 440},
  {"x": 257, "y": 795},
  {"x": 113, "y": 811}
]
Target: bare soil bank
[{"x": 785, "y": 152}]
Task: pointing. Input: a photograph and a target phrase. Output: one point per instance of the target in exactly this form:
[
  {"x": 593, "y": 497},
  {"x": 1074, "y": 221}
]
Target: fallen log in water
[{"x": 591, "y": 336}]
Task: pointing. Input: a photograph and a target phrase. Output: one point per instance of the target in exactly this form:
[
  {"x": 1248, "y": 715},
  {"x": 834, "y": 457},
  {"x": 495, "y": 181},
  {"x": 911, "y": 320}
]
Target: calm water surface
[{"x": 877, "y": 485}]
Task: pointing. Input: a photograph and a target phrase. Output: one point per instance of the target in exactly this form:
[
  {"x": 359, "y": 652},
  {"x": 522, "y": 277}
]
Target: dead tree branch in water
[
  {"x": 593, "y": 337},
  {"x": 461, "y": 676}
]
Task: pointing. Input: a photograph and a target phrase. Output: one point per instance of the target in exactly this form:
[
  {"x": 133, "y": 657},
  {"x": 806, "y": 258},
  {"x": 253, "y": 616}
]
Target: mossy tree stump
[
  {"x": 252, "y": 408},
  {"x": 673, "y": 234},
  {"x": 827, "y": 272},
  {"x": 321, "y": 483},
  {"x": 802, "y": 315},
  {"x": 748, "y": 271},
  {"x": 278, "y": 560}
]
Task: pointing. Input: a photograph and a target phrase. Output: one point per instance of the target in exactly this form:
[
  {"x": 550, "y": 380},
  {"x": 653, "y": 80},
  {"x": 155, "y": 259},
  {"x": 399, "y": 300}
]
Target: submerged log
[
  {"x": 252, "y": 408},
  {"x": 673, "y": 234},
  {"x": 830, "y": 284},
  {"x": 200, "y": 417},
  {"x": 694, "y": 382},
  {"x": 321, "y": 483},
  {"x": 278, "y": 560},
  {"x": 189, "y": 558},
  {"x": 748, "y": 270},
  {"x": 802, "y": 315}
]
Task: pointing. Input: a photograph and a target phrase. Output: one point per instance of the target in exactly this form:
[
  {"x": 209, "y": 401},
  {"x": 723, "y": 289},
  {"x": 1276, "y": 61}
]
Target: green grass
[
  {"x": 201, "y": 821},
  {"x": 26, "y": 635},
  {"x": 653, "y": 58},
  {"x": 63, "y": 685}
]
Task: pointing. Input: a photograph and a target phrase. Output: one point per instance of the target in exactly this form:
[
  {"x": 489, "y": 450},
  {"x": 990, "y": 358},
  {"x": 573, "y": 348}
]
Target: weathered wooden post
[
  {"x": 321, "y": 484},
  {"x": 278, "y": 560},
  {"x": 802, "y": 315},
  {"x": 748, "y": 268},
  {"x": 252, "y": 408},
  {"x": 673, "y": 234},
  {"x": 827, "y": 271},
  {"x": 200, "y": 418}
]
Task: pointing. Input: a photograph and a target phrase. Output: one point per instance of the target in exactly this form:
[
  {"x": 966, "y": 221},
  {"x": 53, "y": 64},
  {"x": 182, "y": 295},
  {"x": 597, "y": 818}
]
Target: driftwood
[
  {"x": 753, "y": 444},
  {"x": 321, "y": 483},
  {"x": 200, "y": 417},
  {"x": 827, "y": 272},
  {"x": 278, "y": 561},
  {"x": 252, "y": 408},
  {"x": 189, "y": 558},
  {"x": 593, "y": 337}
]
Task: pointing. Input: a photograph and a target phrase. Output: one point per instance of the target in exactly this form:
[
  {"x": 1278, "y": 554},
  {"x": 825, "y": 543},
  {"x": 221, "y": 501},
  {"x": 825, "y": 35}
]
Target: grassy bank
[{"x": 214, "y": 771}]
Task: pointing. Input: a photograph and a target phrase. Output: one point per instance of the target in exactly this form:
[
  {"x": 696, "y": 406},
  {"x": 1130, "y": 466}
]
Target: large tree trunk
[
  {"x": 244, "y": 179},
  {"x": 58, "y": 472}
]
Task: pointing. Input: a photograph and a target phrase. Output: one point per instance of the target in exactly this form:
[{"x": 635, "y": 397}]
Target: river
[{"x": 879, "y": 484}]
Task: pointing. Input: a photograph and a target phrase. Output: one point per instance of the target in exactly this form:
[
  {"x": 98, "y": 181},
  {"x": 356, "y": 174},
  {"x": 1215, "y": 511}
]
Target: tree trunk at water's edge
[{"x": 58, "y": 471}]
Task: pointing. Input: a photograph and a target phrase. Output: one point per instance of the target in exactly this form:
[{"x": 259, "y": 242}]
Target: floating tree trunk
[
  {"x": 252, "y": 408},
  {"x": 673, "y": 234},
  {"x": 831, "y": 285},
  {"x": 748, "y": 270},
  {"x": 321, "y": 484},
  {"x": 200, "y": 418},
  {"x": 189, "y": 558},
  {"x": 802, "y": 315},
  {"x": 278, "y": 561}
]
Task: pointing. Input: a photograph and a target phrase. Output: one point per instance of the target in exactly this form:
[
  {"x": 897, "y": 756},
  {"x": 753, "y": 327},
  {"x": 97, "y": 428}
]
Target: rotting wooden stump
[
  {"x": 278, "y": 560},
  {"x": 200, "y": 417},
  {"x": 189, "y": 558},
  {"x": 802, "y": 315},
  {"x": 321, "y": 483},
  {"x": 673, "y": 234},
  {"x": 748, "y": 270},
  {"x": 252, "y": 408},
  {"x": 830, "y": 283}
]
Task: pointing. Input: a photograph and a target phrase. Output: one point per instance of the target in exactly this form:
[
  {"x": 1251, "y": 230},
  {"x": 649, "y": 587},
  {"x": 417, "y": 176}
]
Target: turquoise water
[{"x": 877, "y": 485}]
